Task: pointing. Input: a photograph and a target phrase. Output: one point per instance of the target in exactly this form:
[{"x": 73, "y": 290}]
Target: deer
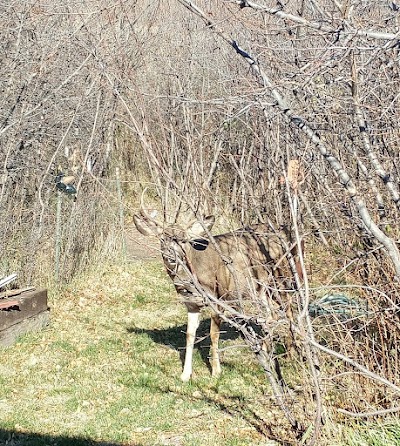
[{"x": 187, "y": 251}]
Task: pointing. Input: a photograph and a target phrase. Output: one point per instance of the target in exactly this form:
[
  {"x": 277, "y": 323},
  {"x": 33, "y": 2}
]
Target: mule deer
[{"x": 253, "y": 255}]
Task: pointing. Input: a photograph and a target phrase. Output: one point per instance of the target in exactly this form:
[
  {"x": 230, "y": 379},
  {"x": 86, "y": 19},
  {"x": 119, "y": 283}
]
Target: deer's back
[{"x": 237, "y": 261}]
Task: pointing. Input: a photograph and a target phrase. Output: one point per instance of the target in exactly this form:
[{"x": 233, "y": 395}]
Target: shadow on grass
[
  {"x": 175, "y": 337},
  {"x": 237, "y": 407},
  {"x": 13, "y": 438}
]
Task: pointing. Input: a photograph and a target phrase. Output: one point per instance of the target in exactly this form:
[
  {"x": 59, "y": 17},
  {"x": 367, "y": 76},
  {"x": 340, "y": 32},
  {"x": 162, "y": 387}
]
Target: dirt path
[{"x": 140, "y": 247}]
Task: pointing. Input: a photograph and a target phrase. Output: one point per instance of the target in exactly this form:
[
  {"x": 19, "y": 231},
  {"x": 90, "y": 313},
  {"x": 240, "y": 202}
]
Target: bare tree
[{"x": 59, "y": 115}]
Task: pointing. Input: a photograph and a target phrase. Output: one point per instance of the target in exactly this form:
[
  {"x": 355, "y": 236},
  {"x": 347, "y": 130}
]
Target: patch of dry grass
[{"x": 107, "y": 371}]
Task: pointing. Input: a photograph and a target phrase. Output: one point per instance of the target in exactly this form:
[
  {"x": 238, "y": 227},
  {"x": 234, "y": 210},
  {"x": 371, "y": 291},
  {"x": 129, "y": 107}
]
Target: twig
[
  {"x": 355, "y": 364},
  {"x": 375, "y": 413},
  {"x": 11, "y": 293}
]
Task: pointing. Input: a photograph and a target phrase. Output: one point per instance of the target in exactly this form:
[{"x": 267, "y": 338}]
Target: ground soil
[{"x": 141, "y": 247}]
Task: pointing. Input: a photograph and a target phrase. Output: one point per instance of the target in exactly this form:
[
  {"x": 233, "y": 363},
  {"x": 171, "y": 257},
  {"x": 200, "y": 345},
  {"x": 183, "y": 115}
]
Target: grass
[
  {"x": 378, "y": 435},
  {"x": 107, "y": 371}
]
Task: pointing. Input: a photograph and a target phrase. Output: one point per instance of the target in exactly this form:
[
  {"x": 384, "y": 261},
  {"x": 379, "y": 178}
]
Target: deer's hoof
[{"x": 185, "y": 377}]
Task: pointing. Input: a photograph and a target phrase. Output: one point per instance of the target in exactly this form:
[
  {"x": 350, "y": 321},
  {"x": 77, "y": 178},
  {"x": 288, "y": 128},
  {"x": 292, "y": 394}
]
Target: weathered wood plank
[
  {"x": 28, "y": 325},
  {"x": 29, "y": 304}
]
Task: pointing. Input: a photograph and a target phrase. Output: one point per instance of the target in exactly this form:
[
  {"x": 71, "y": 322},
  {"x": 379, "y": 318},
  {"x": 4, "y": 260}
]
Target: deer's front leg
[
  {"x": 193, "y": 324},
  {"x": 214, "y": 334}
]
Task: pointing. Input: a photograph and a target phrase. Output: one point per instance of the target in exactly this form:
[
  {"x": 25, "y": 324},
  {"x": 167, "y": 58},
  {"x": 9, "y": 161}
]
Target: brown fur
[{"x": 256, "y": 256}]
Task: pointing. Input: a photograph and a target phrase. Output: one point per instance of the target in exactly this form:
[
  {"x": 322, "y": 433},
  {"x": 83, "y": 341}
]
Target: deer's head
[{"x": 176, "y": 241}]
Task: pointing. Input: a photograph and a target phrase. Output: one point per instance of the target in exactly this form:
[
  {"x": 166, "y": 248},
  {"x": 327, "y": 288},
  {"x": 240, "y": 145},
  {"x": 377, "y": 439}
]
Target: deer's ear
[
  {"x": 146, "y": 226},
  {"x": 209, "y": 222},
  {"x": 197, "y": 229}
]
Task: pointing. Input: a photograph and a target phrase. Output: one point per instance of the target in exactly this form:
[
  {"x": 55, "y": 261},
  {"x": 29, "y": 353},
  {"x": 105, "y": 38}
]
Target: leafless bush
[{"x": 58, "y": 114}]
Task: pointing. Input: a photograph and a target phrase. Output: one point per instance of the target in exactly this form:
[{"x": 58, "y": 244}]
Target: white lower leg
[{"x": 193, "y": 324}]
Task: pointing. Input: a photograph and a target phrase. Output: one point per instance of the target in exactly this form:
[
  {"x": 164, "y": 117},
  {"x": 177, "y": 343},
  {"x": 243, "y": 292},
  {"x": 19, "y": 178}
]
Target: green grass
[
  {"x": 369, "y": 434},
  {"x": 107, "y": 370}
]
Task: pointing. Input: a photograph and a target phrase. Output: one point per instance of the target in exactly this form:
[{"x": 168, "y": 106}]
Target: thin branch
[
  {"x": 355, "y": 364},
  {"x": 375, "y": 413},
  {"x": 344, "y": 27}
]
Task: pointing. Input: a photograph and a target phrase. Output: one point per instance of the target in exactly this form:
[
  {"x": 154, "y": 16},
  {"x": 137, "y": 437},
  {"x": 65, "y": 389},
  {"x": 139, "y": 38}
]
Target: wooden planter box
[{"x": 22, "y": 314}]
